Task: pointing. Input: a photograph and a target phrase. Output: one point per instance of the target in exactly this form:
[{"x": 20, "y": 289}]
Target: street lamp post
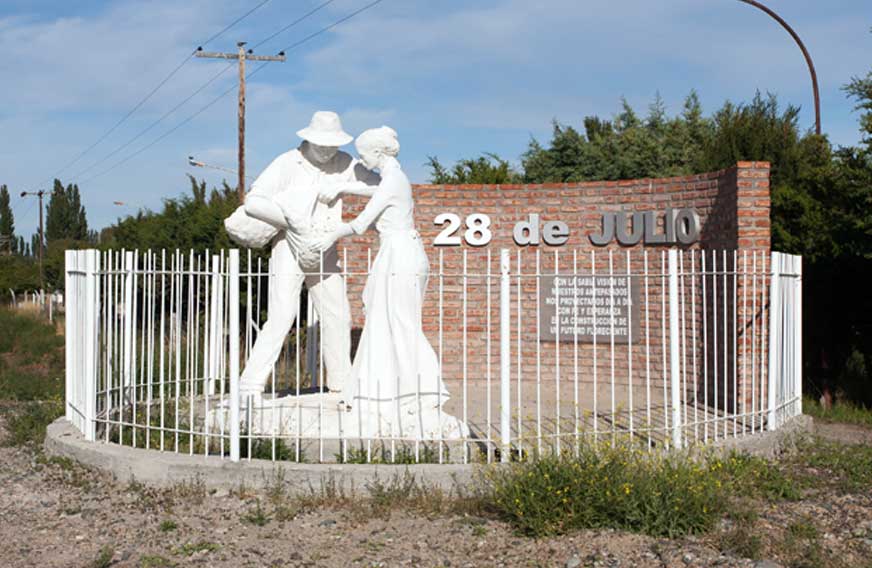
[
  {"x": 809, "y": 62},
  {"x": 39, "y": 194}
]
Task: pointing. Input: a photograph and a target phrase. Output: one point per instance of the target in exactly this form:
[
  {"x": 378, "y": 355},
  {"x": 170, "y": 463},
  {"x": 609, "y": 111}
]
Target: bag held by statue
[{"x": 247, "y": 231}]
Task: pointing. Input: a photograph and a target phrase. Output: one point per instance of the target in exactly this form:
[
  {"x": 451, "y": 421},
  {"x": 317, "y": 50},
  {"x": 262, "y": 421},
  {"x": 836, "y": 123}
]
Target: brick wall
[{"x": 733, "y": 205}]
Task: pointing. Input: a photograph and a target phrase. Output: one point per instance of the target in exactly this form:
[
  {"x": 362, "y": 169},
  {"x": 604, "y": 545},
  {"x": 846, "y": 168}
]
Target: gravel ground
[{"x": 59, "y": 514}]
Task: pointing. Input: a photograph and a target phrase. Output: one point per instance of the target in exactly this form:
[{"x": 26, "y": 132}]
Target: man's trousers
[{"x": 334, "y": 313}]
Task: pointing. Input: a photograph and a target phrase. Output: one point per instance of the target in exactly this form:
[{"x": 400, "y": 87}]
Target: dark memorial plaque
[{"x": 587, "y": 308}]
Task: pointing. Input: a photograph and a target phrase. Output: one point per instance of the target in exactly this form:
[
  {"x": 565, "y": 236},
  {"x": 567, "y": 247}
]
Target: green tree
[
  {"x": 65, "y": 215},
  {"x": 621, "y": 148},
  {"x": 7, "y": 223},
  {"x": 486, "y": 169}
]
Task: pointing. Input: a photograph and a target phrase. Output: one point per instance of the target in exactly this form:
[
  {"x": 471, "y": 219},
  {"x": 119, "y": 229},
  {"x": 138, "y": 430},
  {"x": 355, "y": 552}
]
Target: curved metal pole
[{"x": 793, "y": 34}]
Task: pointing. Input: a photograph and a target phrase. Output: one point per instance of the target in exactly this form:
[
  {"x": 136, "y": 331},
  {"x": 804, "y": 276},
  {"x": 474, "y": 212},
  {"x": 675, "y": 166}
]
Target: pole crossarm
[{"x": 248, "y": 56}]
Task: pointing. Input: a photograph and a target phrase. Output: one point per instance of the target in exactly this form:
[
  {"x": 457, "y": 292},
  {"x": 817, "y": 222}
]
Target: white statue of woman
[{"x": 395, "y": 381}]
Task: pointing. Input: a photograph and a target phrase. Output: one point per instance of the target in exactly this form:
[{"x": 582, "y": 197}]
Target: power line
[
  {"x": 228, "y": 91},
  {"x": 331, "y": 26},
  {"x": 201, "y": 88},
  {"x": 168, "y": 132},
  {"x": 294, "y": 23},
  {"x": 155, "y": 123},
  {"x": 151, "y": 93},
  {"x": 234, "y": 22}
]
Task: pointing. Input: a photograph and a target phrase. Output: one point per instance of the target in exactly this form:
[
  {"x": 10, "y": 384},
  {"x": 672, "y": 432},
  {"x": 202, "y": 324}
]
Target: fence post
[
  {"x": 674, "y": 360},
  {"x": 90, "y": 344},
  {"x": 233, "y": 338},
  {"x": 797, "y": 322},
  {"x": 214, "y": 328},
  {"x": 505, "y": 357},
  {"x": 775, "y": 331},
  {"x": 70, "y": 331},
  {"x": 128, "y": 325}
]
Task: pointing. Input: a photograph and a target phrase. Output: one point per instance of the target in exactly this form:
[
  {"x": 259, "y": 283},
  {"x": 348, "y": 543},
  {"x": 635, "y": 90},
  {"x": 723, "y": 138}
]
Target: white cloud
[{"x": 102, "y": 63}]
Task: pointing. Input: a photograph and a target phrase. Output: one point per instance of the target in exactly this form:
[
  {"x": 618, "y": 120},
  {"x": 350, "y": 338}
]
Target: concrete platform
[{"x": 158, "y": 468}]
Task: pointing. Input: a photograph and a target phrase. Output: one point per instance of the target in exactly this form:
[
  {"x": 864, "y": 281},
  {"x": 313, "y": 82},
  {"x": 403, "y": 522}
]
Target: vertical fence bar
[
  {"x": 647, "y": 350},
  {"x": 487, "y": 327},
  {"x": 520, "y": 358},
  {"x": 613, "y": 414},
  {"x": 674, "y": 359},
  {"x": 70, "y": 328},
  {"x": 744, "y": 340},
  {"x": 683, "y": 324},
  {"x": 774, "y": 335},
  {"x": 797, "y": 323},
  {"x": 630, "y": 343},
  {"x": 754, "y": 413},
  {"x": 505, "y": 357},
  {"x": 128, "y": 340},
  {"x": 726, "y": 356},
  {"x": 575, "y": 325},
  {"x": 233, "y": 334},
  {"x": 557, "y": 350},
  {"x": 465, "y": 356},
  {"x": 94, "y": 342},
  {"x": 694, "y": 346},
  {"x": 705, "y": 350},
  {"x": 735, "y": 274}
]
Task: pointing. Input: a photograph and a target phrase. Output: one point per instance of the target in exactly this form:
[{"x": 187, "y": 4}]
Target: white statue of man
[{"x": 285, "y": 196}]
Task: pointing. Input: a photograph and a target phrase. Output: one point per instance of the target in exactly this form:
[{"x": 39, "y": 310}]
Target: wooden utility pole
[
  {"x": 241, "y": 55},
  {"x": 39, "y": 194}
]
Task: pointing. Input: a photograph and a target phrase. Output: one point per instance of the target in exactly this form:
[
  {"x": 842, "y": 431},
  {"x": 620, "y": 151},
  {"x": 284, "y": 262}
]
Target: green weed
[
  {"x": 31, "y": 358},
  {"x": 742, "y": 540},
  {"x": 609, "y": 486},
  {"x": 155, "y": 561},
  {"x": 104, "y": 557},
  {"x": 26, "y": 422},
  {"x": 850, "y": 465},
  {"x": 256, "y": 516},
  {"x": 191, "y": 548},
  {"x": 844, "y": 412},
  {"x": 756, "y": 477}
]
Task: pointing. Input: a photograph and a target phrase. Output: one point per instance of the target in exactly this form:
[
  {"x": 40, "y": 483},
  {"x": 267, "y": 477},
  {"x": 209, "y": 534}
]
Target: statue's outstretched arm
[{"x": 264, "y": 209}]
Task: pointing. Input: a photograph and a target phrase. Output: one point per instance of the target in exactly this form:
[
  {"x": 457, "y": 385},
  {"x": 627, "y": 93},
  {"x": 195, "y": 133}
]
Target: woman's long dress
[{"x": 396, "y": 387}]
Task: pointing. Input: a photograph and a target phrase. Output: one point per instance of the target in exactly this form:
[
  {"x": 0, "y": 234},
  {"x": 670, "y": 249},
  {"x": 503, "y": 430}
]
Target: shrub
[
  {"x": 611, "y": 487},
  {"x": 755, "y": 477},
  {"x": 26, "y": 423}
]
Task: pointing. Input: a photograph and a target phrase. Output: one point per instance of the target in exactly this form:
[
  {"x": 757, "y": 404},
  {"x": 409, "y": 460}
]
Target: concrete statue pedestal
[{"x": 325, "y": 415}]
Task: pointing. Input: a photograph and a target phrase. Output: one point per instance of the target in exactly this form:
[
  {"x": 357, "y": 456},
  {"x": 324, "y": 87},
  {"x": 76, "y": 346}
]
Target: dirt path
[
  {"x": 58, "y": 514},
  {"x": 844, "y": 433}
]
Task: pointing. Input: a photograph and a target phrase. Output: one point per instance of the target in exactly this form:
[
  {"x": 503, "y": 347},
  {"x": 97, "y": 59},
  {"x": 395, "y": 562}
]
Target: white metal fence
[{"x": 539, "y": 351}]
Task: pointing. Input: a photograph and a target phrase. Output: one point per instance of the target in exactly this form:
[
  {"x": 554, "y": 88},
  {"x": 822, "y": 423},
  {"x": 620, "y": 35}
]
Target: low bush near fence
[{"x": 620, "y": 487}]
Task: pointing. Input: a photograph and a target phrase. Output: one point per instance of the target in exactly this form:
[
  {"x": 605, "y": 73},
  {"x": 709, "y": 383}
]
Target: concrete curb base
[{"x": 162, "y": 469}]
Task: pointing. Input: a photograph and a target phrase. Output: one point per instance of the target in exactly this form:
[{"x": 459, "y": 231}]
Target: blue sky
[{"x": 455, "y": 78}]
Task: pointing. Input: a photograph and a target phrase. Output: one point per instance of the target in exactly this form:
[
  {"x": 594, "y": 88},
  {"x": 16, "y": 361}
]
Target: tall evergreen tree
[
  {"x": 7, "y": 222},
  {"x": 65, "y": 215},
  {"x": 34, "y": 245}
]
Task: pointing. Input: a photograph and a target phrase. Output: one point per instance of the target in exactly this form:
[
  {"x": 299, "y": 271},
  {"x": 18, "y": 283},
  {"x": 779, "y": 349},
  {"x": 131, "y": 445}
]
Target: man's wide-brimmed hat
[{"x": 325, "y": 129}]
